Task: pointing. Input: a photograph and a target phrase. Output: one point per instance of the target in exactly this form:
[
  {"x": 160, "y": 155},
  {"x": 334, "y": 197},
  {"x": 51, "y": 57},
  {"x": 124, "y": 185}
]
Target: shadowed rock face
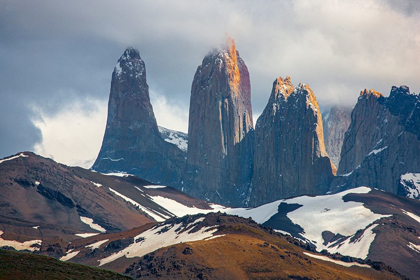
[
  {"x": 335, "y": 124},
  {"x": 220, "y": 125},
  {"x": 132, "y": 142},
  {"x": 382, "y": 142},
  {"x": 289, "y": 152}
]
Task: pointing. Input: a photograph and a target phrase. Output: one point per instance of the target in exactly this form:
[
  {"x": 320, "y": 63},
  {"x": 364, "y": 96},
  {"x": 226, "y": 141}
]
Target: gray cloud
[{"x": 55, "y": 52}]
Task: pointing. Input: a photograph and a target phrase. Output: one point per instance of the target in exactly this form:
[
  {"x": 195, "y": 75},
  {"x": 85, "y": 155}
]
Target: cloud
[
  {"x": 56, "y": 53},
  {"x": 17, "y": 132},
  {"x": 74, "y": 135},
  {"x": 169, "y": 115}
]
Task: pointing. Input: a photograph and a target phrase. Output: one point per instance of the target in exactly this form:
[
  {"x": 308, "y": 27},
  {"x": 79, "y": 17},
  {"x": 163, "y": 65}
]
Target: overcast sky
[{"x": 57, "y": 57}]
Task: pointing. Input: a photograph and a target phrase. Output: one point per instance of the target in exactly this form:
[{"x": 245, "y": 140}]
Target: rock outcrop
[
  {"x": 178, "y": 138},
  {"x": 335, "y": 124},
  {"x": 220, "y": 128},
  {"x": 132, "y": 142},
  {"x": 409, "y": 185},
  {"x": 289, "y": 153},
  {"x": 382, "y": 142}
]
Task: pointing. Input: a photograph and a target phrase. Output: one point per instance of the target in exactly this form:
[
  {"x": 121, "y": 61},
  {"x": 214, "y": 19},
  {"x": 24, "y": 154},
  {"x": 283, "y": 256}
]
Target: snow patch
[
  {"x": 282, "y": 232},
  {"x": 414, "y": 247},
  {"x": 214, "y": 237},
  {"x": 96, "y": 184},
  {"x": 414, "y": 216},
  {"x": 111, "y": 159},
  {"x": 92, "y": 225},
  {"x": 150, "y": 212},
  {"x": 14, "y": 157},
  {"x": 86, "y": 235},
  {"x": 153, "y": 238},
  {"x": 96, "y": 245},
  {"x": 260, "y": 214},
  {"x": 118, "y": 174},
  {"x": 154, "y": 187},
  {"x": 174, "y": 137},
  {"x": 346, "y": 264},
  {"x": 118, "y": 69},
  {"x": 69, "y": 255},
  {"x": 376, "y": 151},
  {"x": 176, "y": 208},
  {"x": 411, "y": 184},
  {"x": 358, "y": 248},
  {"x": 27, "y": 245}
]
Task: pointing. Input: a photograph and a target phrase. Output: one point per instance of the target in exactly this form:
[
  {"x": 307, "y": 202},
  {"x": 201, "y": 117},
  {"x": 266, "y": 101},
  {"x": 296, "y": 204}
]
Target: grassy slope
[{"x": 16, "y": 265}]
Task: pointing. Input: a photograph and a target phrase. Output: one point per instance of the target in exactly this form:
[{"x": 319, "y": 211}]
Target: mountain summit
[
  {"x": 220, "y": 119},
  {"x": 132, "y": 141},
  {"x": 381, "y": 148},
  {"x": 289, "y": 153}
]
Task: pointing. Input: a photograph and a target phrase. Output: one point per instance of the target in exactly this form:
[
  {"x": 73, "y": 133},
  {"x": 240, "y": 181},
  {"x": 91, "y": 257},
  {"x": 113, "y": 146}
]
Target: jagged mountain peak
[
  {"x": 130, "y": 66},
  {"x": 130, "y": 53},
  {"x": 382, "y": 142},
  {"x": 282, "y": 87},
  {"x": 132, "y": 142},
  {"x": 370, "y": 92},
  {"x": 401, "y": 89}
]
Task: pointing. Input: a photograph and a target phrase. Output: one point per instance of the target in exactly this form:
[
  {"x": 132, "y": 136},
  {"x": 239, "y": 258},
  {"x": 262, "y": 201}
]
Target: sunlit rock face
[
  {"x": 335, "y": 123},
  {"x": 289, "y": 152},
  {"x": 220, "y": 129},
  {"x": 382, "y": 142},
  {"x": 132, "y": 141}
]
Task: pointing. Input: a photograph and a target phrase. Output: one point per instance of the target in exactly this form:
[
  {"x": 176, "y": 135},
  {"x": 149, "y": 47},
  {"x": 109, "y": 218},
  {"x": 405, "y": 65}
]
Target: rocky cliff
[
  {"x": 220, "y": 129},
  {"x": 382, "y": 142},
  {"x": 289, "y": 152},
  {"x": 335, "y": 124},
  {"x": 132, "y": 142}
]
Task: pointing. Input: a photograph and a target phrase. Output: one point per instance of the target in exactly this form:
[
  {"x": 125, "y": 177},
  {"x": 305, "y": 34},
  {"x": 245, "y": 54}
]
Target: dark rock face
[
  {"x": 132, "y": 142},
  {"x": 382, "y": 142},
  {"x": 335, "y": 124},
  {"x": 289, "y": 153},
  {"x": 220, "y": 129}
]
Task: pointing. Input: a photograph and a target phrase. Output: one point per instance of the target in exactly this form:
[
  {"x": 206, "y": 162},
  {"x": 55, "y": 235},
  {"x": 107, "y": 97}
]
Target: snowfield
[
  {"x": 316, "y": 215},
  {"x": 331, "y": 213},
  {"x": 159, "y": 237}
]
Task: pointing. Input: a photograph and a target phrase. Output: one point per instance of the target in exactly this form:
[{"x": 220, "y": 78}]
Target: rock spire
[
  {"x": 132, "y": 142},
  {"x": 220, "y": 124},
  {"x": 289, "y": 152}
]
